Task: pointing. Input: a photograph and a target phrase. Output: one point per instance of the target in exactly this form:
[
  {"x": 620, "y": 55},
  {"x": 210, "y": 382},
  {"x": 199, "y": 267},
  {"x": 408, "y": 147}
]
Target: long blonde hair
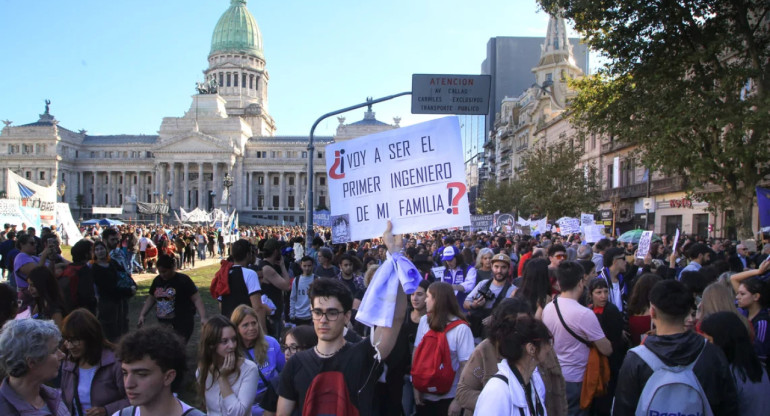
[
  {"x": 260, "y": 346},
  {"x": 718, "y": 298}
]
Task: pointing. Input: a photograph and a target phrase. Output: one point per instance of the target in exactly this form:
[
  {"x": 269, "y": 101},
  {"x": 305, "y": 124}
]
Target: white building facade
[{"x": 229, "y": 131}]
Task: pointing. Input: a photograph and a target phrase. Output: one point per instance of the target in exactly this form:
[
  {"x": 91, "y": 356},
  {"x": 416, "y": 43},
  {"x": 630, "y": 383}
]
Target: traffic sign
[{"x": 450, "y": 94}]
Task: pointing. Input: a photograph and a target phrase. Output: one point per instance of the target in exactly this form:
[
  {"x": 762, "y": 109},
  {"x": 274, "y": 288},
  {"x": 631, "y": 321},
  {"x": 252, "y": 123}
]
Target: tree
[
  {"x": 686, "y": 81},
  {"x": 555, "y": 184},
  {"x": 503, "y": 197}
]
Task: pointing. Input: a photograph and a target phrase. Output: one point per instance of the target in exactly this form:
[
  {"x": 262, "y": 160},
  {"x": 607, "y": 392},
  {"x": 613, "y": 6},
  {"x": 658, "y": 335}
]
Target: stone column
[
  {"x": 172, "y": 174},
  {"x": 80, "y": 182},
  {"x": 216, "y": 184},
  {"x": 161, "y": 180},
  {"x": 281, "y": 192},
  {"x": 201, "y": 187},
  {"x": 266, "y": 184},
  {"x": 186, "y": 183}
]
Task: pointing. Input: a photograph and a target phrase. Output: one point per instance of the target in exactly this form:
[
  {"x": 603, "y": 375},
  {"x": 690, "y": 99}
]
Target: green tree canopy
[
  {"x": 554, "y": 184},
  {"x": 688, "y": 82}
]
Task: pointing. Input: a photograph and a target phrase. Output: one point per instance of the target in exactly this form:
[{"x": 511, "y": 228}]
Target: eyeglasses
[
  {"x": 561, "y": 256},
  {"x": 331, "y": 314},
  {"x": 72, "y": 342},
  {"x": 293, "y": 348}
]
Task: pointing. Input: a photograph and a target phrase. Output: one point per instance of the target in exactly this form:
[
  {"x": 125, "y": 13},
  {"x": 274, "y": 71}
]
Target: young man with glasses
[{"x": 331, "y": 303}]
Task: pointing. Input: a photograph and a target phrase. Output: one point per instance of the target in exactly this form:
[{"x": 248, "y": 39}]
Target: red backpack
[
  {"x": 432, "y": 370},
  {"x": 328, "y": 394}
]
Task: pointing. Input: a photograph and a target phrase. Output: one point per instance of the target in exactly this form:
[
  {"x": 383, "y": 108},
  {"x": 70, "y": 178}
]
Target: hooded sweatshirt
[{"x": 712, "y": 371}]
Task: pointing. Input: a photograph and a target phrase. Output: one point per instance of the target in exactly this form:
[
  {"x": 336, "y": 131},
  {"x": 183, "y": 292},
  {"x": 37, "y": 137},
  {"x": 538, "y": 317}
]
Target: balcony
[
  {"x": 521, "y": 148},
  {"x": 614, "y": 146},
  {"x": 637, "y": 190}
]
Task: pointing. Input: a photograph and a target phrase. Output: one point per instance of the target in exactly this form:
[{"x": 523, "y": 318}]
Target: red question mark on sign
[{"x": 456, "y": 200}]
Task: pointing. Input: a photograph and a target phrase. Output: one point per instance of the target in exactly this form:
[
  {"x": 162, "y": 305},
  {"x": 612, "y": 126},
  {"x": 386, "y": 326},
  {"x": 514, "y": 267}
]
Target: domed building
[{"x": 227, "y": 130}]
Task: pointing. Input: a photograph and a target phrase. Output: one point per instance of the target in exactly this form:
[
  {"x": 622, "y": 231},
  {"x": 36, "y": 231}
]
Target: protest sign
[
  {"x": 593, "y": 233},
  {"x": 413, "y": 176},
  {"x": 644, "y": 244},
  {"x": 569, "y": 226},
  {"x": 321, "y": 218},
  {"x": 70, "y": 233},
  {"x": 482, "y": 222},
  {"x": 505, "y": 222},
  {"x": 586, "y": 219},
  {"x": 32, "y": 195}
]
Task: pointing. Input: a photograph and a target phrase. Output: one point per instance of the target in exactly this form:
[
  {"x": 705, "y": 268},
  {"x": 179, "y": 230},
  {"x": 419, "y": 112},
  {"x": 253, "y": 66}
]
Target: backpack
[
  {"x": 671, "y": 390},
  {"x": 432, "y": 370},
  {"x": 328, "y": 393}
]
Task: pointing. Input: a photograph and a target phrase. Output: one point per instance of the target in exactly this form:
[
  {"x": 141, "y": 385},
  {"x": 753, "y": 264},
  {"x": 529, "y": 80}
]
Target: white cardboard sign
[
  {"x": 644, "y": 244},
  {"x": 413, "y": 175},
  {"x": 586, "y": 219}
]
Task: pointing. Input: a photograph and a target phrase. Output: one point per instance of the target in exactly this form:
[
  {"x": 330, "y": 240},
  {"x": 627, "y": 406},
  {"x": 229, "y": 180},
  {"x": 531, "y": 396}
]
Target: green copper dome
[{"x": 237, "y": 32}]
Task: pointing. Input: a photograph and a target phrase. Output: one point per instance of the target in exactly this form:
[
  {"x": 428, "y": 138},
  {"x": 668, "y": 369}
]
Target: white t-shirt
[
  {"x": 494, "y": 288},
  {"x": 460, "y": 340},
  {"x": 572, "y": 354},
  {"x": 185, "y": 407},
  {"x": 251, "y": 280},
  {"x": 144, "y": 242}
]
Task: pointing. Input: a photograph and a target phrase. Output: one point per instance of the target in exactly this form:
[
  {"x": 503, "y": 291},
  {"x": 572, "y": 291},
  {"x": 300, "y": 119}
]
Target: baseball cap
[
  {"x": 501, "y": 257},
  {"x": 449, "y": 253}
]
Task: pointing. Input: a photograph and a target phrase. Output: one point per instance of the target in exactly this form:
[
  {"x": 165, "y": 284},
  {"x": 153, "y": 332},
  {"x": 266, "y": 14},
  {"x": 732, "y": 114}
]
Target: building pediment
[{"x": 196, "y": 142}]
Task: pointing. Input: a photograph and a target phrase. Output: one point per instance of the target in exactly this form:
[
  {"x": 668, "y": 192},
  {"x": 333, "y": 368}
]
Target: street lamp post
[
  {"x": 155, "y": 198},
  {"x": 170, "y": 193},
  {"x": 227, "y": 182}
]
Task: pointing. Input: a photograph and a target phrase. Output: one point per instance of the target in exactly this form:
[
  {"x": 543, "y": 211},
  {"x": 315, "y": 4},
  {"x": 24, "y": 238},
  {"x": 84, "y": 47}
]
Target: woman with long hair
[
  {"x": 91, "y": 375},
  {"x": 226, "y": 379},
  {"x": 443, "y": 309},
  {"x": 753, "y": 298},
  {"x": 638, "y": 307},
  {"x": 263, "y": 350},
  {"x": 517, "y": 389},
  {"x": 112, "y": 312},
  {"x": 484, "y": 264},
  {"x": 724, "y": 330},
  {"x": 536, "y": 286},
  {"x": 719, "y": 298},
  {"x": 46, "y": 295}
]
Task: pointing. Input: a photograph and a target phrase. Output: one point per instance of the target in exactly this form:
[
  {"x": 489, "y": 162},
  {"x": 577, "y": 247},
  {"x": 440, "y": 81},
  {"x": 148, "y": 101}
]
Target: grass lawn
[{"x": 202, "y": 278}]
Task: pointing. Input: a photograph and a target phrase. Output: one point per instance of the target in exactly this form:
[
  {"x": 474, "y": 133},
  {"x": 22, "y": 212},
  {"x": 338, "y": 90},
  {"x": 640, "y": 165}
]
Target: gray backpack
[{"x": 671, "y": 390}]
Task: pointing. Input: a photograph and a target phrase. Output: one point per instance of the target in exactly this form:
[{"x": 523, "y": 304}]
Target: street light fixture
[{"x": 62, "y": 190}]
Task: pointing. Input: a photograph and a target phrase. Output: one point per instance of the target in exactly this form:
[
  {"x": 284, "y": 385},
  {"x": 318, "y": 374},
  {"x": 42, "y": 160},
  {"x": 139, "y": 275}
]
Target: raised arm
[{"x": 386, "y": 337}]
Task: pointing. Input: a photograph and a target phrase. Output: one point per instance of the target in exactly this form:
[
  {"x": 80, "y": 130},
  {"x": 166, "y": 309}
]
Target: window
[
  {"x": 609, "y": 176},
  {"x": 701, "y": 225},
  {"x": 243, "y": 81},
  {"x": 228, "y": 79},
  {"x": 260, "y": 180},
  {"x": 322, "y": 180},
  {"x": 627, "y": 172},
  {"x": 235, "y": 80},
  {"x": 28, "y": 175},
  {"x": 548, "y": 77},
  {"x": 275, "y": 180},
  {"x": 671, "y": 223},
  {"x": 107, "y": 178},
  {"x": 41, "y": 176},
  {"x": 136, "y": 179},
  {"x": 275, "y": 201},
  {"x": 149, "y": 180},
  {"x": 260, "y": 201},
  {"x": 291, "y": 180},
  {"x": 321, "y": 201},
  {"x": 258, "y": 154},
  {"x": 304, "y": 155},
  {"x": 77, "y": 153},
  {"x": 291, "y": 201},
  {"x": 251, "y": 82},
  {"x": 221, "y": 79},
  {"x": 120, "y": 179},
  {"x": 320, "y": 155},
  {"x": 593, "y": 141}
]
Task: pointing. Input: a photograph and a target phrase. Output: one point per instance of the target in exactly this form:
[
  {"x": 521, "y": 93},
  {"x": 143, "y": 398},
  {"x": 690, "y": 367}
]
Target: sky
[{"x": 119, "y": 67}]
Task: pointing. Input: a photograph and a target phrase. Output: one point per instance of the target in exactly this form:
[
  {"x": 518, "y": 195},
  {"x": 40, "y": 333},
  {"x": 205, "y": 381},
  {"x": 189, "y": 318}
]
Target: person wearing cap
[
  {"x": 462, "y": 277},
  {"x": 488, "y": 293}
]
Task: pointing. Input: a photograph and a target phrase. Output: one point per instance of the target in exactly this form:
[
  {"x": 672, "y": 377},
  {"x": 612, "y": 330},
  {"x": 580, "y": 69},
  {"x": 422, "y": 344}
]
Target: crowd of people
[{"x": 480, "y": 323}]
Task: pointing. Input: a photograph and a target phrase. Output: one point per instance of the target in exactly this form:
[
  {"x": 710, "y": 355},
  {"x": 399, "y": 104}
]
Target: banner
[
  {"x": 13, "y": 213},
  {"x": 763, "y": 204},
  {"x": 33, "y": 196},
  {"x": 321, "y": 218},
  {"x": 538, "y": 227},
  {"x": 413, "y": 175},
  {"x": 196, "y": 215},
  {"x": 568, "y": 226},
  {"x": 482, "y": 222},
  {"x": 69, "y": 231},
  {"x": 151, "y": 208},
  {"x": 506, "y": 222},
  {"x": 107, "y": 210}
]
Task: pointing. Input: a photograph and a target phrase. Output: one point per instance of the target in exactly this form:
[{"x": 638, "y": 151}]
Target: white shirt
[
  {"x": 499, "y": 398},
  {"x": 85, "y": 378},
  {"x": 460, "y": 340},
  {"x": 244, "y": 388}
]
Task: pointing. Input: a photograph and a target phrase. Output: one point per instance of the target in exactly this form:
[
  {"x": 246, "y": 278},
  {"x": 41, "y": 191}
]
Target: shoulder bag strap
[
  {"x": 77, "y": 407},
  {"x": 501, "y": 296},
  {"x": 564, "y": 324}
]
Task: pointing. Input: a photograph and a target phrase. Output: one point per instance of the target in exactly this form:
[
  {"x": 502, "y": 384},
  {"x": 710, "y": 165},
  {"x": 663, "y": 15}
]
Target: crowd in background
[{"x": 533, "y": 324}]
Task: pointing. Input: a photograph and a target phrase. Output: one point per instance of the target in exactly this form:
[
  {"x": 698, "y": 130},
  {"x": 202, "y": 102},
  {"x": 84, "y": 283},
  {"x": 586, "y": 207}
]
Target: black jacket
[{"x": 712, "y": 370}]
